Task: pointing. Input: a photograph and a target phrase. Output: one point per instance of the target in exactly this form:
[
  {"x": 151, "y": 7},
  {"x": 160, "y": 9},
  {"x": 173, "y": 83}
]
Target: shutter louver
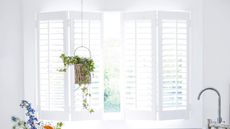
[
  {"x": 92, "y": 38},
  {"x": 138, "y": 66},
  {"x": 52, "y": 89},
  {"x": 173, "y": 51}
]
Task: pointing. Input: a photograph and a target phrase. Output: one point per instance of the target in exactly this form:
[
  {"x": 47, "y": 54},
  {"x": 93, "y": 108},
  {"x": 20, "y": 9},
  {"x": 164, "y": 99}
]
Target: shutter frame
[
  {"x": 53, "y": 115},
  {"x": 177, "y": 113},
  {"x": 136, "y": 114}
]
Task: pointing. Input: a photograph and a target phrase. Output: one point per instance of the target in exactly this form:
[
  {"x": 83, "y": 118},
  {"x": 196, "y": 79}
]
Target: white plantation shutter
[
  {"x": 154, "y": 73},
  {"x": 53, "y": 91},
  {"x": 173, "y": 64},
  {"x": 92, "y": 39},
  {"x": 139, "y": 66}
]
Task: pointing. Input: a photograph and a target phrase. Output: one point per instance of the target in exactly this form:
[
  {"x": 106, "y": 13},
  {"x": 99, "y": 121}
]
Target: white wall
[
  {"x": 11, "y": 61},
  {"x": 216, "y": 56},
  {"x": 216, "y": 46}
]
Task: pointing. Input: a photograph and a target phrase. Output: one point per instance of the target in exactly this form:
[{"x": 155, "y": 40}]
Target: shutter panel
[
  {"x": 173, "y": 61},
  {"x": 52, "y": 85},
  {"x": 92, "y": 38},
  {"x": 139, "y": 66}
]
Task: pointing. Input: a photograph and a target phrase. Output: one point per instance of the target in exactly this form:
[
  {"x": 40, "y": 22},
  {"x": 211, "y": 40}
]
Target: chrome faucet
[{"x": 219, "y": 119}]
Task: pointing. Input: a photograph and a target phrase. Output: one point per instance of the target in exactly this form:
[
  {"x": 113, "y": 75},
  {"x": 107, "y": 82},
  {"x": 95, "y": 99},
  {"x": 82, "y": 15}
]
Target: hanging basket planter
[{"x": 83, "y": 68}]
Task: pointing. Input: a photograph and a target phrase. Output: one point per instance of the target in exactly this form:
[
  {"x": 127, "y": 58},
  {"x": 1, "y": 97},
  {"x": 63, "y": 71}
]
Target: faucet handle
[{"x": 210, "y": 123}]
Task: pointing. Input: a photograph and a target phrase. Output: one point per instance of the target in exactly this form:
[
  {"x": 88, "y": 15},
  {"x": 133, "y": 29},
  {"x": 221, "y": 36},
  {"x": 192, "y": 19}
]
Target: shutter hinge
[
  {"x": 36, "y": 23},
  {"x": 157, "y": 22},
  {"x": 68, "y": 22}
]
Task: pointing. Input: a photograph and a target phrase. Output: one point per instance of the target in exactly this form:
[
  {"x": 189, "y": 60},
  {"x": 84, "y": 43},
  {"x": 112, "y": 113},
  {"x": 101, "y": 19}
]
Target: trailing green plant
[
  {"x": 83, "y": 69},
  {"x": 88, "y": 63}
]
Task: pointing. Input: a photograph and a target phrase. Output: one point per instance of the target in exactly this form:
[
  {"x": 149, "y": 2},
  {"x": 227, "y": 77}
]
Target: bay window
[{"x": 143, "y": 74}]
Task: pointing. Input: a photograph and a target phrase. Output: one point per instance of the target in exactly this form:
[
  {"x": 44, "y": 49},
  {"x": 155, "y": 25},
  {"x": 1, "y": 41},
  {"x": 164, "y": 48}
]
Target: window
[
  {"x": 139, "y": 65},
  {"x": 112, "y": 65},
  {"x": 154, "y": 73},
  {"x": 173, "y": 60},
  {"x": 61, "y": 33},
  {"x": 53, "y": 91}
]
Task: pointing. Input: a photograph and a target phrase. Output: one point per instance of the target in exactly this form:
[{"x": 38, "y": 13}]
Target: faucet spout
[{"x": 219, "y": 119}]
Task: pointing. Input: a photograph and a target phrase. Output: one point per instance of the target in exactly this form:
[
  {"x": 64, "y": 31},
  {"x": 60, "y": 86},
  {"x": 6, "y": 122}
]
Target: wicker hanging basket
[
  {"x": 81, "y": 74},
  {"x": 81, "y": 77}
]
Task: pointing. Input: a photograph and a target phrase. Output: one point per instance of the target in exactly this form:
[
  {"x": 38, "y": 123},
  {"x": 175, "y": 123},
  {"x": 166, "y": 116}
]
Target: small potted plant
[{"x": 83, "y": 68}]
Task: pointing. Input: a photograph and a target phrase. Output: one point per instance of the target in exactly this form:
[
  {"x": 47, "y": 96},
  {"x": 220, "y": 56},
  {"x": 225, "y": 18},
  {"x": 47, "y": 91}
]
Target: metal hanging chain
[
  {"x": 82, "y": 23},
  {"x": 82, "y": 46}
]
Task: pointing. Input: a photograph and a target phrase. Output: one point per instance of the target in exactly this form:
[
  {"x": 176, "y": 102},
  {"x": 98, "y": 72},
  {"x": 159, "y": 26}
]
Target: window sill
[{"x": 134, "y": 124}]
